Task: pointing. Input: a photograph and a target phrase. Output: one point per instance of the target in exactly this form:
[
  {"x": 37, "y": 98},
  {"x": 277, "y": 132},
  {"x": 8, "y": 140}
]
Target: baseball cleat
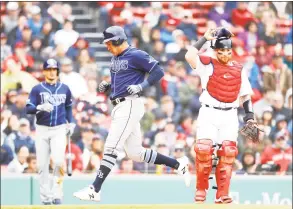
[
  {"x": 88, "y": 193},
  {"x": 200, "y": 196},
  {"x": 57, "y": 202},
  {"x": 183, "y": 170},
  {"x": 224, "y": 200}
]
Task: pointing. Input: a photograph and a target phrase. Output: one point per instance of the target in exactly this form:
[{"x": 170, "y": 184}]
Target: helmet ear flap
[{"x": 117, "y": 42}]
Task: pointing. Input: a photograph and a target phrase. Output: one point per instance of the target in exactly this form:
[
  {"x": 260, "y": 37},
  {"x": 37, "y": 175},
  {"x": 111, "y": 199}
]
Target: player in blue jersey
[
  {"x": 129, "y": 67},
  {"x": 51, "y": 102}
]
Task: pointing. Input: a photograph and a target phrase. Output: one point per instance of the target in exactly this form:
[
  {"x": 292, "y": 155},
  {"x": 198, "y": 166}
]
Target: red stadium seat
[
  {"x": 206, "y": 5},
  {"x": 140, "y": 12},
  {"x": 200, "y": 21},
  {"x": 283, "y": 31},
  {"x": 284, "y": 23}
]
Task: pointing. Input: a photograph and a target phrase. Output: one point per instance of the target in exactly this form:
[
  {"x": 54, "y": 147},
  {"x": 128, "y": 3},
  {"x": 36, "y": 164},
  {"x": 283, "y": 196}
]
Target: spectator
[
  {"x": 86, "y": 65},
  {"x": 167, "y": 136},
  {"x": 281, "y": 124},
  {"x": 241, "y": 15},
  {"x": 76, "y": 158},
  {"x": 13, "y": 77},
  {"x": 67, "y": 12},
  {"x": 93, "y": 164},
  {"x": 48, "y": 34},
  {"x": 36, "y": 21},
  {"x": 25, "y": 37},
  {"x": 20, "y": 54},
  {"x": 249, "y": 162},
  {"x": 270, "y": 34},
  {"x": 126, "y": 167},
  {"x": 5, "y": 48},
  {"x": 85, "y": 144},
  {"x": 168, "y": 107},
  {"x": 76, "y": 48},
  {"x": 6, "y": 155},
  {"x": 277, "y": 76},
  {"x": 262, "y": 56},
  {"x": 55, "y": 13},
  {"x": 36, "y": 53},
  {"x": 166, "y": 32},
  {"x": 280, "y": 153},
  {"x": 32, "y": 164},
  {"x": 19, "y": 107},
  {"x": 288, "y": 99},
  {"x": 12, "y": 124},
  {"x": 267, "y": 120},
  {"x": 66, "y": 36},
  {"x": 71, "y": 78},
  {"x": 188, "y": 26},
  {"x": 21, "y": 138},
  {"x": 159, "y": 52},
  {"x": 288, "y": 56},
  {"x": 10, "y": 20},
  {"x": 219, "y": 15},
  {"x": 278, "y": 107},
  {"x": 19, "y": 163},
  {"x": 249, "y": 36},
  {"x": 152, "y": 18},
  {"x": 15, "y": 34}
]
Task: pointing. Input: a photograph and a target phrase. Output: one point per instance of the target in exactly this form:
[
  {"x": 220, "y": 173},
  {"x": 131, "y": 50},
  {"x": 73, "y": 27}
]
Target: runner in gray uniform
[
  {"x": 51, "y": 102},
  {"x": 128, "y": 69}
]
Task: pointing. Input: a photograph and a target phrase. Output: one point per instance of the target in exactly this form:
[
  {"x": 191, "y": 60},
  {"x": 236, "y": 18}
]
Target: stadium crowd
[{"x": 32, "y": 32}]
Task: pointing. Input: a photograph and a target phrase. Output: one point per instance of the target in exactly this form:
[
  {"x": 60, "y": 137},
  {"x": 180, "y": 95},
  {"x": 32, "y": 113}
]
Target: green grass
[{"x": 174, "y": 206}]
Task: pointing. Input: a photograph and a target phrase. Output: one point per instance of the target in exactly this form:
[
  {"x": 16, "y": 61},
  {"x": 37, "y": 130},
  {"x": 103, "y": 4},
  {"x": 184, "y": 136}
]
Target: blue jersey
[
  {"x": 59, "y": 95},
  {"x": 129, "y": 68}
]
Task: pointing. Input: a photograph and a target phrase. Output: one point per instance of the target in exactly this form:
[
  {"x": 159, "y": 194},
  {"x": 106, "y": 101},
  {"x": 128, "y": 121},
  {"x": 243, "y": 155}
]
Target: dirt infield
[{"x": 175, "y": 206}]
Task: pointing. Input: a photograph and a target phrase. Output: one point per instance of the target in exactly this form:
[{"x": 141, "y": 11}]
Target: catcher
[{"x": 225, "y": 85}]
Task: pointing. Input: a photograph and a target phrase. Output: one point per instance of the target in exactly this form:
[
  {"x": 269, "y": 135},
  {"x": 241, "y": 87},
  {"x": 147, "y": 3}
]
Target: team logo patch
[
  {"x": 117, "y": 65},
  {"x": 55, "y": 99}
]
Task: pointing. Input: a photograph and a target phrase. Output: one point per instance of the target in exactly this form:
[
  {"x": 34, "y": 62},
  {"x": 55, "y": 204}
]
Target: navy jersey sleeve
[
  {"x": 144, "y": 62},
  {"x": 68, "y": 101},
  {"x": 32, "y": 99}
]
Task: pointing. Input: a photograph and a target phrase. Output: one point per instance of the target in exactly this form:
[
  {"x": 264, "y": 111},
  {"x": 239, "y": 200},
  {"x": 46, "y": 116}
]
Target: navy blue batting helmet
[
  {"x": 116, "y": 34},
  {"x": 51, "y": 63}
]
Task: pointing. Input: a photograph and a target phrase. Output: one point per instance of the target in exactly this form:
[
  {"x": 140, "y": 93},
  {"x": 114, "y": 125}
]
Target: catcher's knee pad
[
  {"x": 204, "y": 149},
  {"x": 203, "y": 160},
  {"x": 227, "y": 152}
]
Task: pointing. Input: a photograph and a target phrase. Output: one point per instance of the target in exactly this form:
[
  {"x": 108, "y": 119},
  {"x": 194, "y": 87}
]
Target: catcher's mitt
[{"x": 251, "y": 131}]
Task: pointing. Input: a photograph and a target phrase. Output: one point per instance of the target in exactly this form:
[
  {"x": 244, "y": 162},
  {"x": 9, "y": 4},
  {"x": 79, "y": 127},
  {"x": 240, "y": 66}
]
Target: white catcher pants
[
  {"x": 50, "y": 141},
  {"x": 125, "y": 129},
  {"x": 217, "y": 125}
]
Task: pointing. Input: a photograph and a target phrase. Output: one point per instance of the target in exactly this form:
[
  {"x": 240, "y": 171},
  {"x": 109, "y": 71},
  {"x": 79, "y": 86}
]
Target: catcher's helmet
[
  {"x": 51, "y": 63},
  {"x": 223, "y": 40},
  {"x": 222, "y": 43},
  {"x": 115, "y": 34}
]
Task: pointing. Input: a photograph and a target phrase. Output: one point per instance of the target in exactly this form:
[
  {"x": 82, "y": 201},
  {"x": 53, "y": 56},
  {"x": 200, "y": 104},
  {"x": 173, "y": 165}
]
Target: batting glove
[
  {"x": 70, "y": 129},
  {"x": 134, "y": 89},
  {"x": 104, "y": 86},
  {"x": 47, "y": 107}
]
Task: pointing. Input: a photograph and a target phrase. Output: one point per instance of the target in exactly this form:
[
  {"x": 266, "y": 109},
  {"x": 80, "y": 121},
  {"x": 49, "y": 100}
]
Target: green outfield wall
[{"x": 150, "y": 189}]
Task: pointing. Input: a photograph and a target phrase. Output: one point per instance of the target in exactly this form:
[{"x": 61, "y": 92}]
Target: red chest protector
[{"x": 225, "y": 82}]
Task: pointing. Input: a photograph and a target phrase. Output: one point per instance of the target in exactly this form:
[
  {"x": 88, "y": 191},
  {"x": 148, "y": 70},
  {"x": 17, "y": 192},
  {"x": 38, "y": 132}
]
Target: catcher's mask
[
  {"x": 223, "y": 40},
  {"x": 115, "y": 34}
]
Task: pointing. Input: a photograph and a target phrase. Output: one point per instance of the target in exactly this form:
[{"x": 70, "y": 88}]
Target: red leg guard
[
  {"x": 203, "y": 162},
  {"x": 227, "y": 154}
]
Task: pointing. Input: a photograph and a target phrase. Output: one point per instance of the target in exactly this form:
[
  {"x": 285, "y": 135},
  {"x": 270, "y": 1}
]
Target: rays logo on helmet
[{"x": 51, "y": 63}]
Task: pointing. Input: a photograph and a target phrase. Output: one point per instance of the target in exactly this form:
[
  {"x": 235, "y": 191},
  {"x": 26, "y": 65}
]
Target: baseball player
[
  {"x": 224, "y": 85},
  {"x": 128, "y": 69},
  {"x": 51, "y": 102}
]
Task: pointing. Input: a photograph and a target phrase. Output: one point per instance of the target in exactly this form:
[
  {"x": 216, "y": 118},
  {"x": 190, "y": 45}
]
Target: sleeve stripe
[
  {"x": 153, "y": 67},
  {"x": 29, "y": 103}
]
